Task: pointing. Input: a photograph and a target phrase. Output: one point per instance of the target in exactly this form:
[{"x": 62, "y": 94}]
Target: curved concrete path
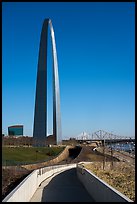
[{"x": 62, "y": 187}]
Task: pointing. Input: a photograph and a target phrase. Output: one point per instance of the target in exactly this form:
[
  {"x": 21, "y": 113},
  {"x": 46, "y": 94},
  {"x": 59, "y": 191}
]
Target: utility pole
[
  {"x": 111, "y": 152},
  {"x": 104, "y": 154}
]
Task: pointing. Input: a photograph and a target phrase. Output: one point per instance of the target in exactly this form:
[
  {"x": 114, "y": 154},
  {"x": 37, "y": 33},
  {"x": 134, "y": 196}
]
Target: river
[{"x": 127, "y": 147}]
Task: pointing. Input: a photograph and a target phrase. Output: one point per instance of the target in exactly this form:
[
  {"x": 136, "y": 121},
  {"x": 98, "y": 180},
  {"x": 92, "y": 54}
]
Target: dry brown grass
[
  {"x": 119, "y": 175},
  {"x": 11, "y": 177}
]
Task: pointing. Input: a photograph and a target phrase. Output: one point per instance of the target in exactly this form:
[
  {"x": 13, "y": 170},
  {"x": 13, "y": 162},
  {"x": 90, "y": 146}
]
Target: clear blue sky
[{"x": 96, "y": 59}]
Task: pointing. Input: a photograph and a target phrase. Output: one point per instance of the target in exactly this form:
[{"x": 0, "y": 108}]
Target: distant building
[
  {"x": 15, "y": 130},
  {"x": 50, "y": 139}
]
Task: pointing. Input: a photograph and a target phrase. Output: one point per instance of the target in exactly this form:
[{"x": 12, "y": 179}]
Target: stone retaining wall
[{"x": 62, "y": 156}]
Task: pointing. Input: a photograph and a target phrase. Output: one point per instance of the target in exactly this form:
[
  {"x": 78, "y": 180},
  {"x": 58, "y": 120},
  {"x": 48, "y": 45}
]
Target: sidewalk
[{"x": 63, "y": 187}]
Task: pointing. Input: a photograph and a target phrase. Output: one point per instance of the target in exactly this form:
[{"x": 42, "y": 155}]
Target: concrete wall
[
  {"x": 98, "y": 189},
  {"x": 25, "y": 190},
  {"x": 63, "y": 155}
]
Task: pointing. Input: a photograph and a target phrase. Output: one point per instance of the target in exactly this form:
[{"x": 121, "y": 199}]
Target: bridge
[{"x": 103, "y": 136}]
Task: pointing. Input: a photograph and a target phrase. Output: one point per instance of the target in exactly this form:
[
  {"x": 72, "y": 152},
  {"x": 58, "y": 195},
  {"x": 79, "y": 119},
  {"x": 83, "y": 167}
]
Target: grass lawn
[{"x": 24, "y": 155}]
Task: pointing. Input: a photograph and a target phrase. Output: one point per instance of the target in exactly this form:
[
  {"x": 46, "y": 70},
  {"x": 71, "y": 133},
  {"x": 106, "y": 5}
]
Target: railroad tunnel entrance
[{"x": 74, "y": 152}]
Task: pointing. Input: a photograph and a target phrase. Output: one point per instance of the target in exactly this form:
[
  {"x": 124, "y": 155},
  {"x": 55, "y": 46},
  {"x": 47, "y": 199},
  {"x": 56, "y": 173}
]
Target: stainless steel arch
[{"x": 40, "y": 115}]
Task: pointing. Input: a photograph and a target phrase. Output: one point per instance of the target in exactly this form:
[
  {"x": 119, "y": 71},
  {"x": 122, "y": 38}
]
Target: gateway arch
[{"x": 40, "y": 113}]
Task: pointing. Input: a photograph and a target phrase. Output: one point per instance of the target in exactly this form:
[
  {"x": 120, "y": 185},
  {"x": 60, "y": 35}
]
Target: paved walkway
[{"x": 64, "y": 187}]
